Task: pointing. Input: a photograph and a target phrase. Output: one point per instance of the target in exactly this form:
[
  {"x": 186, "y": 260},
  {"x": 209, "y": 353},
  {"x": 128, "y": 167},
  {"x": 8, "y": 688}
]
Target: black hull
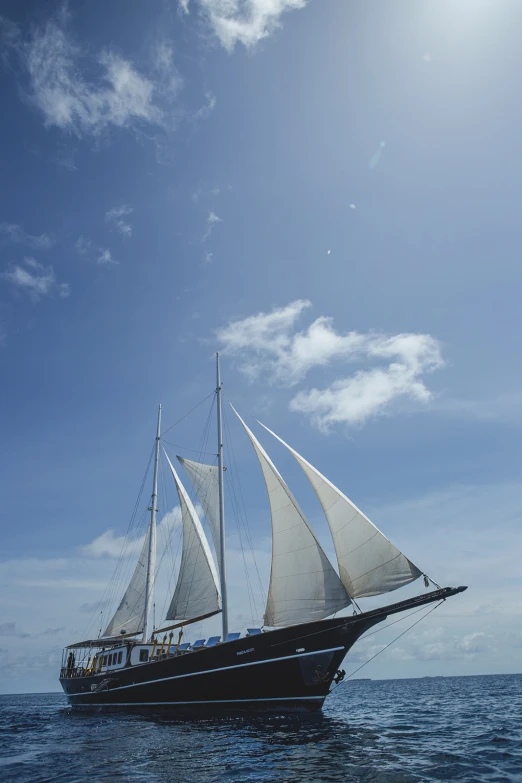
[{"x": 288, "y": 669}]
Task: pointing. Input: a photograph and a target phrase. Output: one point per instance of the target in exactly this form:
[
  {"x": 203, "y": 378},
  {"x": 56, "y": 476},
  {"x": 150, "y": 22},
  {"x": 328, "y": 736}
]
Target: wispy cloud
[
  {"x": 110, "y": 545},
  {"x": 183, "y": 6},
  {"x": 270, "y": 343},
  {"x": 212, "y": 221},
  {"x": 15, "y": 234},
  {"x": 11, "y": 630},
  {"x": 210, "y": 104},
  {"x": 105, "y": 257},
  {"x": 83, "y": 245},
  {"x": 102, "y": 255},
  {"x": 86, "y": 96},
  {"x": 116, "y": 216},
  {"x": 208, "y": 258},
  {"x": 35, "y": 280},
  {"x": 245, "y": 21}
]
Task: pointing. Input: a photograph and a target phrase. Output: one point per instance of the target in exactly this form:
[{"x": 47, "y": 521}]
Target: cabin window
[
  {"x": 110, "y": 659},
  {"x": 144, "y": 655},
  {"x": 119, "y": 657},
  {"x": 105, "y": 660}
]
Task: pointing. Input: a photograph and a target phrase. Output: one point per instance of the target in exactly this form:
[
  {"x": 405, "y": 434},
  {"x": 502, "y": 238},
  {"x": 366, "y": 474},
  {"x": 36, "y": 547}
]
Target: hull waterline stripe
[
  {"x": 212, "y": 671},
  {"x": 213, "y": 701}
]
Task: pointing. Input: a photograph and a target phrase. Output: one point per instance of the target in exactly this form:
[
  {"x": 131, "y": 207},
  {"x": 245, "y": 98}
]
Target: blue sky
[{"x": 326, "y": 191}]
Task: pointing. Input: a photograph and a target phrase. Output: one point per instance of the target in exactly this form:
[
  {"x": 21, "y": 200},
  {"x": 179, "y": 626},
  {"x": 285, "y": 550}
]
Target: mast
[
  {"x": 151, "y": 559},
  {"x": 222, "y": 563}
]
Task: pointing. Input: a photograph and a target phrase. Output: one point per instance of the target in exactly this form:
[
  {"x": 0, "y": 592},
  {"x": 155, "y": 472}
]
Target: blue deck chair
[
  {"x": 213, "y": 641},
  {"x": 231, "y": 637},
  {"x": 183, "y": 646},
  {"x": 253, "y": 631},
  {"x": 198, "y": 643}
]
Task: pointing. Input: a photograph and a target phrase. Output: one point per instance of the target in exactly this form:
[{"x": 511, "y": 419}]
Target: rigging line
[
  {"x": 244, "y": 513},
  {"x": 189, "y": 412},
  {"x": 239, "y": 523},
  {"x": 389, "y": 644},
  {"x": 104, "y": 599},
  {"x": 166, "y": 548},
  {"x": 127, "y": 577},
  {"x": 247, "y": 524},
  {"x": 197, "y": 484},
  {"x": 203, "y": 445},
  {"x": 123, "y": 568},
  {"x": 185, "y": 448},
  {"x": 126, "y": 572},
  {"x": 250, "y": 592},
  {"x": 369, "y": 634}
]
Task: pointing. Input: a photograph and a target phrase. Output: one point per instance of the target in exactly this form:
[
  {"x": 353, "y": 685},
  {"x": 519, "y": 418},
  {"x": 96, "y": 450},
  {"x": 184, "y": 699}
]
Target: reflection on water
[{"x": 459, "y": 729}]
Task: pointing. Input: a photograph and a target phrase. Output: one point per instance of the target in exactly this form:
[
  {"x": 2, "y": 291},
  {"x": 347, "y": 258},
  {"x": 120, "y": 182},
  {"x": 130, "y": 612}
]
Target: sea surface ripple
[{"x": 390, "y": 731}]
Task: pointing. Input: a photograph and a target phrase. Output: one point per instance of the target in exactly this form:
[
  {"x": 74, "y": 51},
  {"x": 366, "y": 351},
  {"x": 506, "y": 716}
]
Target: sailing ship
[{"x": 291, "y": 662}]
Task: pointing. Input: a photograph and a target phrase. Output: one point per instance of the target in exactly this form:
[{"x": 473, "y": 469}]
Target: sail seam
[
  {"x": 381, "y": 565},
  {"x": 345, "y": 554}
]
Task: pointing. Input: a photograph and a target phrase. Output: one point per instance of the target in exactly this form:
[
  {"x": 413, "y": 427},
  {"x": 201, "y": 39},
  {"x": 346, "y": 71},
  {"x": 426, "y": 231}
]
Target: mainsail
[
  {"x": 303, "y": 582},
  {"x": 204, "y": 479},
  {"x": 197, "y": 592},
  {"x": 369, "y": 564},
  {"x": 128, "y": 617}
]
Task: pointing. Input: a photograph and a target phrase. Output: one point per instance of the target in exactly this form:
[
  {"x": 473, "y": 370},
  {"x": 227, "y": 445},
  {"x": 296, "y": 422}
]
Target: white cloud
[
  {"x": 116, "y": 216},
  {"x": 83, "y": 245},
  {"x": 113, "y": 94},
  {"x": 14, "y": 233},
  {"x": 35, "y": 280},
  {"x": 183, "y": 6},
  {"x": 101, "y": 255},
  {"x": 246, "y": 21},
  {"x": 269, "y": 343},
  {"x": 210, "y": 104},
  {"x": 212, "y": 220},
  {"x": 356, "y": 399},
  {"x": 111, "y": 545},
  {"x": 208, "y": 258},
  {"x": 106, "y": 258}
]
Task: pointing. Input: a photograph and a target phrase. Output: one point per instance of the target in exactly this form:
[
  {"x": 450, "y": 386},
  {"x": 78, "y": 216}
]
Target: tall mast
[
  {"x": 151, "y": 559},
  {"x": 222, "y": 561}
]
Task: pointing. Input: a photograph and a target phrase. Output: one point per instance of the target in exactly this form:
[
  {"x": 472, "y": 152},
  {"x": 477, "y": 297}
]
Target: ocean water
[{"x": 394, "y": 731}]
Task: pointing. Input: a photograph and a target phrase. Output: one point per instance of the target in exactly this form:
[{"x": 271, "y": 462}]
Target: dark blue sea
[{"x": 391, "y": 731}]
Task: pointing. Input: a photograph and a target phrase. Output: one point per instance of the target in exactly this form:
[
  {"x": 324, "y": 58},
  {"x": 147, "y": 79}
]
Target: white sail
[
  {"x": 204, "y": 479},
  {"x": 369, "y": 564},
  {"x": 197, "y": 592},
  {"x": 128, "y": 617},
  {"x": 303, "y": 582}
]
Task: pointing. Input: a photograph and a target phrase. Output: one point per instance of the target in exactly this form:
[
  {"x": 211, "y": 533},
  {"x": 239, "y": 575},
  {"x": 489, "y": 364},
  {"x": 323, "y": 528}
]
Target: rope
[
  {"x": 188, "y": 414},
  {"x": 389, "y": 644},
  {"x": 185, "y": 448},
  {"x": 242, "y": 508},
  {"x": 108, "y": 594}
]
